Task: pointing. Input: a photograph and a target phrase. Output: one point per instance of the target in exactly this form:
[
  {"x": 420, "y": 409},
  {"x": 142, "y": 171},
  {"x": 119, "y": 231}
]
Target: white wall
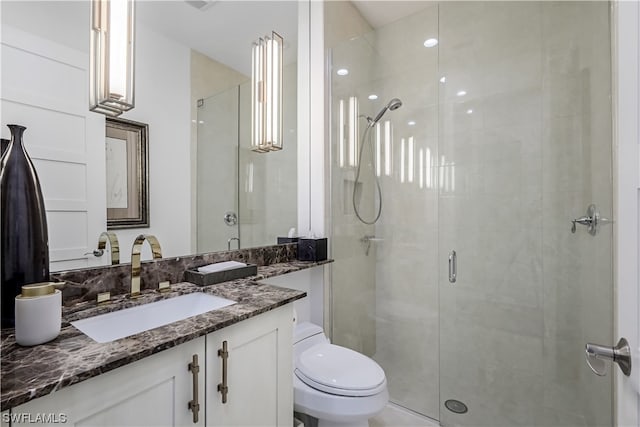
[{"x": 162, "y": 101}]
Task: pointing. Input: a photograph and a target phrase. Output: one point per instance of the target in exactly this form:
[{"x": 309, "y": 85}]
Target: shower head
[{"x": 394, "y": 104}]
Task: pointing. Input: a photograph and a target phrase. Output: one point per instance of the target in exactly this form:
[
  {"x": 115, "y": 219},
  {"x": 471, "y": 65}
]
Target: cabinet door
[
  {"x": 154, "y": 391},
  {"x": 259, "y": 372}
]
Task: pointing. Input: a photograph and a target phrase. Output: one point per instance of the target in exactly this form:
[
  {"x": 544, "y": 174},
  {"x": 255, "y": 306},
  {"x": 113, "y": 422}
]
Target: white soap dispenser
[{"x": 38, "y": 313}]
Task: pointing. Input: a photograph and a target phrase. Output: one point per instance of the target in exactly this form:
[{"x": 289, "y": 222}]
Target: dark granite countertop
[{"x": 31, "y": 372}]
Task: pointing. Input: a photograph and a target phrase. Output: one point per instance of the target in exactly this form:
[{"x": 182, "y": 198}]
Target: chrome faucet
[{"x": 135, "y": 259}]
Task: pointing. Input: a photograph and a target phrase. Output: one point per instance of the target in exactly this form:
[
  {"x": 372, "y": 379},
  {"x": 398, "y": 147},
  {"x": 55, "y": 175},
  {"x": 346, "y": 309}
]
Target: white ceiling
[
  {"x": 223, "y": 31},
  {"x": 226, "y": 30},
  {"x": 380, "y": 13}
]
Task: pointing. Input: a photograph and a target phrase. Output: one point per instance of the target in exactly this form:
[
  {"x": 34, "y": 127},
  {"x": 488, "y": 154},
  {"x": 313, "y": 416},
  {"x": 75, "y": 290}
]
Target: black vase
[{"x": 25, "y": 245}]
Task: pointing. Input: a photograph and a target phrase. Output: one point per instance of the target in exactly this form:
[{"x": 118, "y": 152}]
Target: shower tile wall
[
  {"x": 577, "y": 171},
  {"x": 525, "y": 149}
]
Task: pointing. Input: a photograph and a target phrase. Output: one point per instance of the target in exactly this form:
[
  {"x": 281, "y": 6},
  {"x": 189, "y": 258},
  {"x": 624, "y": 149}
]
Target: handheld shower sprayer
[{"x": 394, "y": 104}]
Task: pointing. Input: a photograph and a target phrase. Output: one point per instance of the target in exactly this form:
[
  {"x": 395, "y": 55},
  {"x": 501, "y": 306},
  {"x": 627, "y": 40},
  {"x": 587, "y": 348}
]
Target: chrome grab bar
[
  {"x": 596, "y": 354},
  {"x": 453, "y": 266}
]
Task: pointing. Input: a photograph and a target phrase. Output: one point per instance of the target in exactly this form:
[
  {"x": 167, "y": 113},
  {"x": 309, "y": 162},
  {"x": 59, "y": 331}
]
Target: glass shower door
[
  {"x": 524, "y": 148},
  {"x": 217, "y": 172},
  {"x": 384, "y": 281}
]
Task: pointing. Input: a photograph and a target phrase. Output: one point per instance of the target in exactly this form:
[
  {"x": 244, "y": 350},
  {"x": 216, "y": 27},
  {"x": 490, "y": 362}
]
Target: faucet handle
[{"x": 96, "y": 253}]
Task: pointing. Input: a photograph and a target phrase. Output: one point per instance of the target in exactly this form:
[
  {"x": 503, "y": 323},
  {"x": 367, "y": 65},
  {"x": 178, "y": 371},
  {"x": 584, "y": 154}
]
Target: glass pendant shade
[
  {"x": 266, "y": 94},
  {"x": 111, "y": 71}
]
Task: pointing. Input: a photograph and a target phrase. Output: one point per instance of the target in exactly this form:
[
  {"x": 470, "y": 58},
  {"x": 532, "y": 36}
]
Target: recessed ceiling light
[
  {"x": 443, "y": 79},
  {"x": 469, "y": 111},
  {"x": 411, "y": 123},
  {"x": 461, "y": 93},
  {"x": 373, "y": 96},
  {"x": 430, "y": 42},
  {"x": 342, "y": 72}
]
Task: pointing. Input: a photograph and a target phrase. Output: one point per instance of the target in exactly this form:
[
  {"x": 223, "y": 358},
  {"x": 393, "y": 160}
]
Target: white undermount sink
[{"x": 130, "y": 321}]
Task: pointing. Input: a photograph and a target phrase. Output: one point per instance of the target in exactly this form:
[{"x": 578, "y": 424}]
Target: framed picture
[{"x": 127, "y": 153}]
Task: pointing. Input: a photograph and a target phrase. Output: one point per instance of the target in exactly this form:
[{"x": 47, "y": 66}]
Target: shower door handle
[{"x": 453, "y": 266}]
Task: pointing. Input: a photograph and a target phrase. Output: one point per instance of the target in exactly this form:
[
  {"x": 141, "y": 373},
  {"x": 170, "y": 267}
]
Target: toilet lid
[{"x": 340, "y": 371}]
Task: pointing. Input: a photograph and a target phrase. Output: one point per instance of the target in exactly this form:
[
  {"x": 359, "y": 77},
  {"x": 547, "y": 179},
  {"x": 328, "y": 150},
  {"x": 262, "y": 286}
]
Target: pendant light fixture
[
  {"x": 266, "y": 94},
  {"x": 111, "y": 68}
]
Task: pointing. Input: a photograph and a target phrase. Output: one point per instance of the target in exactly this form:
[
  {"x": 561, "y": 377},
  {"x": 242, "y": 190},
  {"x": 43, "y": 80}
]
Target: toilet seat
[{"x": 340, "y": 371}]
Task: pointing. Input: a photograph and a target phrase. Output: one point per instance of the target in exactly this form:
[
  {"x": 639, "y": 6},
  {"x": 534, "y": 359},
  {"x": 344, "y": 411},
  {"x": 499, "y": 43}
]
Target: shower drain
[{"x": 456, "y": 406}]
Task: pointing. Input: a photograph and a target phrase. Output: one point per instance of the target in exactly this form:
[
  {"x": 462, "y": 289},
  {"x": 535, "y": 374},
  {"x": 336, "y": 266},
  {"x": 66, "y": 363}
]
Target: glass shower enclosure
[
  {"x": 244, "y": 199},
  {"x": 473, "y": 291}
]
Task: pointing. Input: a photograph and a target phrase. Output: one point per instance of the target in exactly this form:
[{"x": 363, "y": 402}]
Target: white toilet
[{"x": 336, "y": 385}]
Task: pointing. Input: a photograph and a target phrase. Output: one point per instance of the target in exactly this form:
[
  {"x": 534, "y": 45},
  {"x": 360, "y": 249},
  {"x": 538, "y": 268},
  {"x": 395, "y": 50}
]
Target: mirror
[{"x": 193, "y": 62}]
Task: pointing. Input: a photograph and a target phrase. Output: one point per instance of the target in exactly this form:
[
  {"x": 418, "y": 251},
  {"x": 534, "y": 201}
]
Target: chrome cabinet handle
[
  {"x": 223, "y": 388},
  {"x": 453, "y": 266},
  {"x": 596, "y": 354},
  {"x": 194, "y": 405}
]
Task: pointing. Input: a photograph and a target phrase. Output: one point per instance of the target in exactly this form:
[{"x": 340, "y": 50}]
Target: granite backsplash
[{"x": 85, "y": 284}]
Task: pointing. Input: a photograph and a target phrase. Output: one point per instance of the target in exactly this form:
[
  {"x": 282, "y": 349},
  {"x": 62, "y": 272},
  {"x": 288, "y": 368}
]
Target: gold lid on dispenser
[{"x": 34, "y": 290}]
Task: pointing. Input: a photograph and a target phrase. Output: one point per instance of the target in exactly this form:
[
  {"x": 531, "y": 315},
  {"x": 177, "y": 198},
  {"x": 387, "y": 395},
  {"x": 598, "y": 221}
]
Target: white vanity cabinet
[
  {"x": 259, "y": 371},
  {"x": 154, "y": 391}
]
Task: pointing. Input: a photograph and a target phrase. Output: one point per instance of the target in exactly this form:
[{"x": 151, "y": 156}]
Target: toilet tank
[{"x": 306, "y": 335}]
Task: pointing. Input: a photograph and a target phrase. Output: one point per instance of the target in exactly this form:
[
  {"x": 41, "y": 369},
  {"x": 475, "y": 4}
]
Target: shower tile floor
[{"x": 394, "y": 416}]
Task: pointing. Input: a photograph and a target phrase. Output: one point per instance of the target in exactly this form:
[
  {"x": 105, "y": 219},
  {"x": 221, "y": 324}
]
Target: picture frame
[{"x": 127, "y": 172}]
